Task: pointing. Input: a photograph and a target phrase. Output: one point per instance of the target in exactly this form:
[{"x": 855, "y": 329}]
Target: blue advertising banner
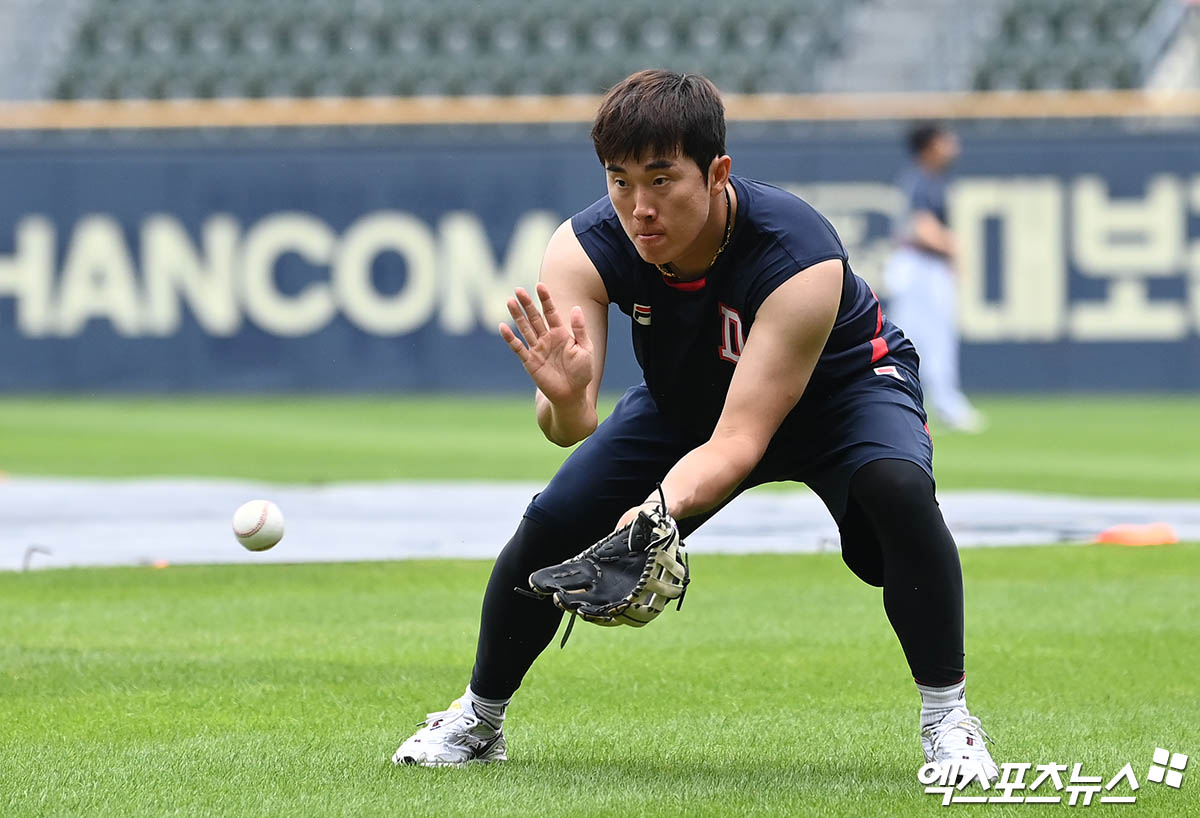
[{"x": 386, "y": 267}]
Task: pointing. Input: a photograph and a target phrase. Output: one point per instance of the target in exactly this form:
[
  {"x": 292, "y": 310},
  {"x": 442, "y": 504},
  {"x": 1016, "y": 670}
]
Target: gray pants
[{"x": 924, "y": 303}]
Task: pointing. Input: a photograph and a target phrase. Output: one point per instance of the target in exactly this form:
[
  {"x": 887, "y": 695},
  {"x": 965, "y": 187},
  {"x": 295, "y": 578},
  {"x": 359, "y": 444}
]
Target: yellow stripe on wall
[{"x": 487, "y": 110}]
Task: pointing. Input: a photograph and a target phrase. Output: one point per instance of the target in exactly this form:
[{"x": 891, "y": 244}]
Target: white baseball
[{"x": 258, "y": 524}]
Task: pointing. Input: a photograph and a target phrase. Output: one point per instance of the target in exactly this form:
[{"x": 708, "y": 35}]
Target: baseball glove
[{"x": 625, "y": 579}]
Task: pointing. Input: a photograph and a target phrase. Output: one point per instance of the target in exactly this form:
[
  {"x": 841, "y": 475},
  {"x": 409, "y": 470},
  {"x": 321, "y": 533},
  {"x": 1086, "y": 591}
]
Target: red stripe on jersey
[
  {"x": 688, "y": 286},
  {"x": 879, "y": 346}
]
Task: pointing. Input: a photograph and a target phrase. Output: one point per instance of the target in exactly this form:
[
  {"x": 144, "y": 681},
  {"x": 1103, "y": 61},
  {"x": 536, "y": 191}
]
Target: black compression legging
[
  {"x": 893, "y": 536},
  {"x": 515, "y": 628}
]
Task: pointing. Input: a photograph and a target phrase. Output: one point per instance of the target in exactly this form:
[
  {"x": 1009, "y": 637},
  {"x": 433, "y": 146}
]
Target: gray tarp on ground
[{"x": 129, "y": 522}]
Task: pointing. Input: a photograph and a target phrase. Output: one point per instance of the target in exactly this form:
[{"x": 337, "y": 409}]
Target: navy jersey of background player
[
  {"x": 924, "y": 191},
  {"x": 689, "y": 335}
]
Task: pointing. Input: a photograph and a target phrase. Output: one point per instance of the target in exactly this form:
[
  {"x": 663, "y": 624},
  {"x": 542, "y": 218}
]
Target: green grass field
[
  {"x": 779, "y": 689},
  {"x": 1139, "y": 447}
]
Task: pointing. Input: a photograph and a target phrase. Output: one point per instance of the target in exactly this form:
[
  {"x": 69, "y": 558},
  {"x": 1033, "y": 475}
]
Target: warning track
[{"x": 58, "y": 522}]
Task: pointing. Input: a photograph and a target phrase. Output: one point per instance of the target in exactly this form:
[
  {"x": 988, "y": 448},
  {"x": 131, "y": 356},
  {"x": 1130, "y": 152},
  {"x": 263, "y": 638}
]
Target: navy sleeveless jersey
[
  {"x": 688, "y": 336},
  {"x": 924, "y": 191}
]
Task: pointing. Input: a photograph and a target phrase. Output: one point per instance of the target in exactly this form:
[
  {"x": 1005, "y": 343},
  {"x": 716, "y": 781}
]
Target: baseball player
[
  {"x": 765, "y": 358},
  {"x": 921, "y": 276}
]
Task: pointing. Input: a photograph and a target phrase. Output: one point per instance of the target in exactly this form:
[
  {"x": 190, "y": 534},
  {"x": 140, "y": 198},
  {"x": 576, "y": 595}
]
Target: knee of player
[{"x": 885, "y": 484}]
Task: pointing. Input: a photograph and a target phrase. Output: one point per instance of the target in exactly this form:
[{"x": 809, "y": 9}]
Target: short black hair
[
  {"x": 921, "y": 135},
  {"x": 656, "y": 113}
]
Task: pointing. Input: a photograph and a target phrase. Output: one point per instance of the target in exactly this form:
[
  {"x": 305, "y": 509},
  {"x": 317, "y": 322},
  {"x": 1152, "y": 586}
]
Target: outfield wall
[{"x": 348, "y": 265}]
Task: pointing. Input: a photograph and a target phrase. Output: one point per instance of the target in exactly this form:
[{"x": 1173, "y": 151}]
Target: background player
[
  {"x": 765, "y": 359},
  {"x": 922, "y": 277}
]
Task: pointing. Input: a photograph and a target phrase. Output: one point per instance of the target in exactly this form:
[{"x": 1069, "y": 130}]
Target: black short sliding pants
[{"x": 878, "y": 416}]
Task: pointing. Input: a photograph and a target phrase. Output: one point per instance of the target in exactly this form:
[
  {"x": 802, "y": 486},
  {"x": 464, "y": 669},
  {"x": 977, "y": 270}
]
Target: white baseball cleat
[
  {"x": 959, "y": 739},
  {"x": 453, "y": 737}
]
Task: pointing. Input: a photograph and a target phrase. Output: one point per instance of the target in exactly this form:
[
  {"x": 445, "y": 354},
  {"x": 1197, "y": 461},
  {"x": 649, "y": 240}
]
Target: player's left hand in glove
[{"x": 625, "y": 579}]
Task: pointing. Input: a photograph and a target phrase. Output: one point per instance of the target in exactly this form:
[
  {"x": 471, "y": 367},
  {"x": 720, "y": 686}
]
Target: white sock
[
  {"x": 936, "y": 702},
  {"x": 489, "y": 711}
]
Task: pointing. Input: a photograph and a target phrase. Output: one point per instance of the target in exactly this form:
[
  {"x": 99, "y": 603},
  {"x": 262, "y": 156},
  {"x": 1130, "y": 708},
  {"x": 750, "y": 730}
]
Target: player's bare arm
[
  {"x": 929, "y": 233},
  {"x": 563, "y": 354},
  {"x": 781, "y": 352}
]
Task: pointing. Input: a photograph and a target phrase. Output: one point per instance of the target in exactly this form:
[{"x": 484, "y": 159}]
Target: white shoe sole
[
  {"x": 409, "y": 761},
  {"x": 494, "y": 751}
]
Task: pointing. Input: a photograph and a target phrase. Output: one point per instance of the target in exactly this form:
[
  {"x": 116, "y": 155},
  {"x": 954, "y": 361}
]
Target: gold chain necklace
[{"x": 665, "y": 270}]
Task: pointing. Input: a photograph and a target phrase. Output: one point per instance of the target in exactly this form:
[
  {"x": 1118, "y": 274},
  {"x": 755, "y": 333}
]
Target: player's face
[
  {"x": 946, "y": 149},
  {"x": 663, "y": 204}
]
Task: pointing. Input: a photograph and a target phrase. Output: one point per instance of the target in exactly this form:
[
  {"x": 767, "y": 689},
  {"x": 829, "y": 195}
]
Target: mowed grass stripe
[
  {"x": 281, "y": 439},
  {"x": 779, "y": 689},
  {"x": 1133, "y": 446}
]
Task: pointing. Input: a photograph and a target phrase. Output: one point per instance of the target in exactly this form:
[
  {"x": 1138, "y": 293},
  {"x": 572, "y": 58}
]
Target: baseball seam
[{"x": 262, "y": 520}]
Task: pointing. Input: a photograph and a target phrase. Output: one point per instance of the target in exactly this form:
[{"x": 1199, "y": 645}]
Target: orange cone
[{"x": 1139, "y": 534}]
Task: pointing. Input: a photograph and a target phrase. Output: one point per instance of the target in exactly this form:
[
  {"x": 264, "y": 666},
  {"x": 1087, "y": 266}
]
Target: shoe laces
[{"x": 947, "y": 730}]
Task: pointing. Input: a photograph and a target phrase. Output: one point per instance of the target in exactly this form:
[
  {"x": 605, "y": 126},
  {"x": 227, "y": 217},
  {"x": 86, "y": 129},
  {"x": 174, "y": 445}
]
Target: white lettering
[
  {"x": 474, "y": 290},
  {"x": 172, "y": 267},
  {"x": 276, "y": 235},
  {"x": 1193, "y": 266},
  {"x": 98, "y": 279},
  {"x": 371, "y": 235},
  {"x": 1032, "y": 272},
  {"x": 732, "y": 336},
  {"x": 1126, "y": 242},
  {"x": 28, "y": 275},
  {"x": 1144, "y": 234}
]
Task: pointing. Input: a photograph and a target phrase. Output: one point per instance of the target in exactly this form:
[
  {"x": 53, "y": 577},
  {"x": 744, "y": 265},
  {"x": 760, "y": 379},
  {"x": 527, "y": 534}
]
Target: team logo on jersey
[
  {"x": 641, "y": 314},
  {"x": 890, "y": 371},
  {"x": 732, "y": 336}
]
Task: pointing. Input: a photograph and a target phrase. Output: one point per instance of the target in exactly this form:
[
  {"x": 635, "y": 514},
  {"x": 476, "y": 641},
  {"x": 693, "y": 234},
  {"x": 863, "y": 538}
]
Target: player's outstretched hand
[{"x": 557, "y": 356}]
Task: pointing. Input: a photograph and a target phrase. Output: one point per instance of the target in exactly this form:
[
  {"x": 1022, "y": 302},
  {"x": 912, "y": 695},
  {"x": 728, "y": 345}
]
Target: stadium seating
[
  {"x": 256, "y": 48},
  {"x": 1066, "y": 44},
  {"x": 215, "y": 48}
]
